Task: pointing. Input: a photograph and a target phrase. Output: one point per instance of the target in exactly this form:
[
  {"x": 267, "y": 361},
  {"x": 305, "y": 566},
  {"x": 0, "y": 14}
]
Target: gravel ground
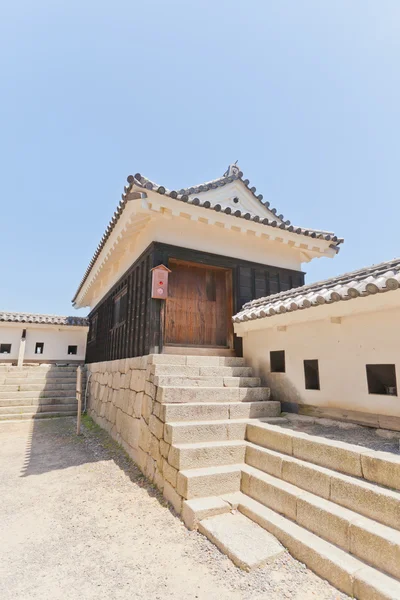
[
  {"x": 375, "y": 439},
  {"x": 79, "y": 521}
]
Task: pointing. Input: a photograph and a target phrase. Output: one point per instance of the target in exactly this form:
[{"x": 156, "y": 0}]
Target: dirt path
[{"x": 79, "y": 521}]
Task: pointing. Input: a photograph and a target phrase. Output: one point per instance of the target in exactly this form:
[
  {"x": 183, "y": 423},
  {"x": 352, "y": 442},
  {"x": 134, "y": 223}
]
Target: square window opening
[
  {"x": 72, "y": 349},
  {"x": 5, "y": 348},
  {"x": 311, "y": 375},
  {"x": 39, "y": 347},
  {"x": 381, "y": 379},
  {"x": 277, "y": 361}
]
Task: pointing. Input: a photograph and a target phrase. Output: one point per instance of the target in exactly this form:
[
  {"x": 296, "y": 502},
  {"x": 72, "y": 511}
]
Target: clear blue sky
[{"x": 304, "y": 93}]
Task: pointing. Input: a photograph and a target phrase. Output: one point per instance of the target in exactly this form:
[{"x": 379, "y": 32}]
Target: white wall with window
[
  {"x": 42, "y": 342},
  {"x": 330, "y": 358}
]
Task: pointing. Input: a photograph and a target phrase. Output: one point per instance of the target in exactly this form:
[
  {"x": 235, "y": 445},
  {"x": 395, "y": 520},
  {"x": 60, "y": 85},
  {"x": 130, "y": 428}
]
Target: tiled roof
[
  {"x": 12, "y": 317},
  {"x": 364, "y": 282},
  {"x": 185, "y": 195}
]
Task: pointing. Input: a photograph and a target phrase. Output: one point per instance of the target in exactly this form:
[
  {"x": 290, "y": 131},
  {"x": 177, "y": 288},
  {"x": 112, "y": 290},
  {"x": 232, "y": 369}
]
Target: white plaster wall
[
  {"x": 56, "y": 340},
  {"x": 10, "y": 335},
  {"x": 342, "y": 350},
  {"x": 207, "y": 238}
]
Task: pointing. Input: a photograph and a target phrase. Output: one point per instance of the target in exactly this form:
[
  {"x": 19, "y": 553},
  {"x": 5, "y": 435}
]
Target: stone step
[
  {"x": 206, "y": 454},
  {"x": 14, "y": 410},
  {"x": 375, "y": 466},
  {"x": 188, "y": 432},
  {"x": 196, "y": 360},
  {"x": 38, "y": 369},
  {"x": 46, "y": 393},
  {"x": 368, "y": 499},
  {"x": 39, "y": 415},
  {"x": 37, "y": 387},
  {"x": 204, "y": 381},
  {"x": 346, "y": 572},
  {"x": 200, "y": 371},
  {"x": 208, "y": 411},
  {"x": 243, "y": 541},
  {"x": 37, "y": 380},
  {"x": 366, "y": 539},
  {"x": 204, "y": 394},
  {"x": 37, "y": 401},
  {"x": 193, "y": 511},
  {"x": 208, "y": 481}
]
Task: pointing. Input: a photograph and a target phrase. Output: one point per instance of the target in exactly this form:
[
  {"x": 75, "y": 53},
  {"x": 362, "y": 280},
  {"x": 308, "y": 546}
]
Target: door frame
[{"x": 229, "y": 304}]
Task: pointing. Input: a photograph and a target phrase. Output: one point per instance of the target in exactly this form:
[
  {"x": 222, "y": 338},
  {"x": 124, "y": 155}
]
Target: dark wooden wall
[{"x": 141, "y": 333}]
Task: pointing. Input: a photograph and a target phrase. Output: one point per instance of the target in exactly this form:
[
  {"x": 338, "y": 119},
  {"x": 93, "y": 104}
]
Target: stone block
[
  {"x": 169, "y": 473},
  {"x": 231, "y": 533},
  {"x": 327, "y": 520},
  {"x": 133, "y": 432},
  {"x": 370, "y": 584},
  {"x": 164, "y": 448},
  {"x": 156, "y": 427},
  {"x": 211, "y": 481},
  {"x": 128, "y": 399},
  {"x": 123, "y": 365},
  {"x": 138, "y": 362},
  {"x": 194, "y": 412},
  {"x": 171, "y": 495},
  {"x": 157, "y": 409},
  {"x": 138, "y": 380},
  {"x": 332, "y": 454},
  {"x": 369, "y": 500},
  {"x": 155, "y": 449},
  {"x": 270, "y": 437},
  {"x": 376, "y": 544},
  {"x": 173, "y": 455},
  {"x": 306, "y": 476},
  {"x": 382, "y": 468},
  {"x": 197, "y": 509},
  {"x": 145, "y": 436},
  {"x": 274, "y": 493},
  {"x": 147, "y": 407},
  {"x": 265, "y": 460},
  {"x": 150, "y": 389},
  {"x": 137, "y": 406},
  {"x": 166, "y": 359}
]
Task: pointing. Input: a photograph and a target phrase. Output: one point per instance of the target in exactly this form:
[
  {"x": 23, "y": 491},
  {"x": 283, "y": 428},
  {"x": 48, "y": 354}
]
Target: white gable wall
[{"x": 246, "y": 201}]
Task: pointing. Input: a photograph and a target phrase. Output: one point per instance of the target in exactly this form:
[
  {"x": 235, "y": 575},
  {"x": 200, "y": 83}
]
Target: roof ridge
[{"x": 38, "y": 318}]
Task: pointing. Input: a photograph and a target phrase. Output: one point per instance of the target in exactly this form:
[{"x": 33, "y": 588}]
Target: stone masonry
[{"x": 125, "y": 398}]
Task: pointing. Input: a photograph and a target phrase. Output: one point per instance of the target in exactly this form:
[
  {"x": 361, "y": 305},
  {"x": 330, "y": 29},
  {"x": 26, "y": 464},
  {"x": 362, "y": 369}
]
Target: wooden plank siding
[{"x": 142, "y": 331}]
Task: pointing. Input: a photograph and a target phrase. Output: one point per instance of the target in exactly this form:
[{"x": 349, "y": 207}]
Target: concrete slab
[{"x": 246, "y": 543}]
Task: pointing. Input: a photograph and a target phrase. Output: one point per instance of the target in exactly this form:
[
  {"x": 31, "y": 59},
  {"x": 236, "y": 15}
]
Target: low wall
[{"x": 122, "y": 399}]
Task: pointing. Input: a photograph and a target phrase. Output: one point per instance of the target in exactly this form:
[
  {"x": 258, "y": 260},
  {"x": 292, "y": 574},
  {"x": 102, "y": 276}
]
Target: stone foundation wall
[{"x": 122, "y": 399}]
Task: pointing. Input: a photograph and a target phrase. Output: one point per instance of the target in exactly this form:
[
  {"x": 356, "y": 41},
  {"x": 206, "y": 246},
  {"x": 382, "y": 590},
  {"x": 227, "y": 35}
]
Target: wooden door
[{"x": 199, "y": 305}]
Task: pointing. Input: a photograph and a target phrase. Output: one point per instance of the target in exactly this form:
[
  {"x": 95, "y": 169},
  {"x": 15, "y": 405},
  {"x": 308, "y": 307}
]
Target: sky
[{"x": 305, "y": 94}]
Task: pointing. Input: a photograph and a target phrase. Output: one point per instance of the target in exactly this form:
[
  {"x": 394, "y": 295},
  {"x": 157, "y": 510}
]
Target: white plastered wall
[
  {"x": 196, "y": 235},
  {"x": 56, "y": 340},
  {"x": 343, "y": 351}
]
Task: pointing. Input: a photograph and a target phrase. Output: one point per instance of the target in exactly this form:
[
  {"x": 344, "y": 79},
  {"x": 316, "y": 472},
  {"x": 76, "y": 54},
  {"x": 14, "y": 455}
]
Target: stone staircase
[
  {"x": 34, "y": 392},
  {"x": 334, "y": 506}
]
